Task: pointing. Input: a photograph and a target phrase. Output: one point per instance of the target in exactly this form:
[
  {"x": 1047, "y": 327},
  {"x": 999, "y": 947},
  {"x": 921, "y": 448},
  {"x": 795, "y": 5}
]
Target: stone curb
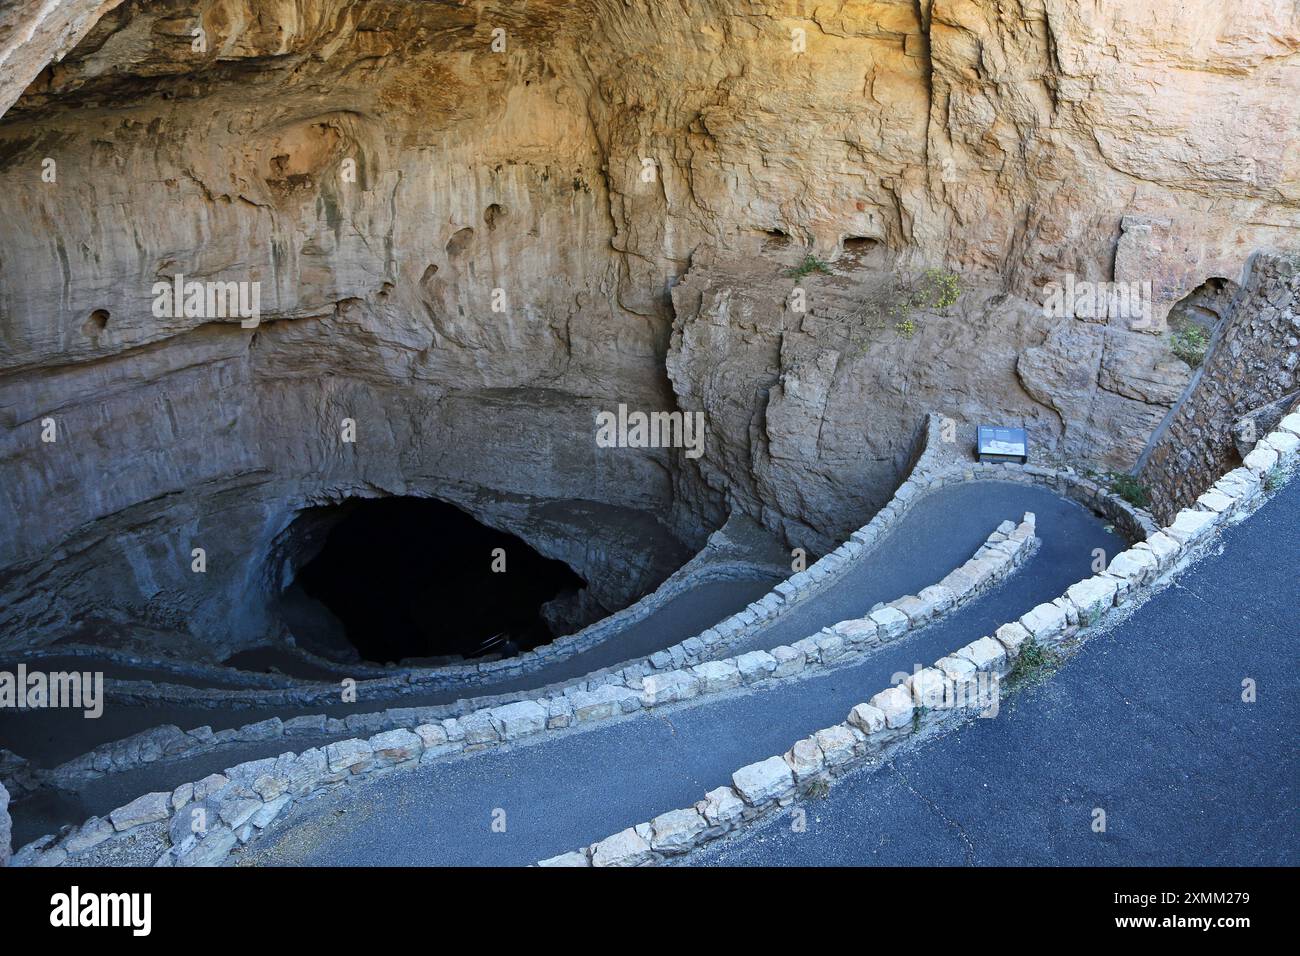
[
  {"x": 266, "y": 787},
  {"x": 906, "y": 710},
  {"x": 170, "y": 741},
  {"x": 928, "y": 475}
]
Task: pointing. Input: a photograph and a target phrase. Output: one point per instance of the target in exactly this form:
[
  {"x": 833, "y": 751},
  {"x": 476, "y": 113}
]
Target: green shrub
[
  {"x": 1034, "y": 664},
  {"x": 1130, "y": 488},
  {"x": 809, "y": 265},
  {"x": 939, "y": 289},
  {"x": 1189, "y": 343},
  {"x": 895, "y": 300}
]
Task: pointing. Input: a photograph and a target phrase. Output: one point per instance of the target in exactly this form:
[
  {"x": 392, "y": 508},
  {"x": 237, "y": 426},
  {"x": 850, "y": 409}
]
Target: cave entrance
[{"x": 411, "y": 578}]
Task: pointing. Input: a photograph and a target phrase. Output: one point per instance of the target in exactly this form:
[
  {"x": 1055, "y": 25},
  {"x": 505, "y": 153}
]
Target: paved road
[
  {"x": 574, "y": 789},
  {"x": 1146, "y": 722}
]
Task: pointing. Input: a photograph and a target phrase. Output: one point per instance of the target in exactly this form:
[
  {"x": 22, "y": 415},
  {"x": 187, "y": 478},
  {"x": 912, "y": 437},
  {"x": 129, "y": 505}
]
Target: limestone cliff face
[{"x": 476, "y": 224}]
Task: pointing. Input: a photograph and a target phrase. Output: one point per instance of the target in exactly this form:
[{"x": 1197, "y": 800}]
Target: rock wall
[
  {"x": 1253, "y": 364},
  {"x": 467, "y": 222}
]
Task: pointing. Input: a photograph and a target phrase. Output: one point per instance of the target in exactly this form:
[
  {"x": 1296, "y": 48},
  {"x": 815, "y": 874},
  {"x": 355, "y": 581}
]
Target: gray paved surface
[
  {"x": 573, "y": 790},
  {"x": 952, "y": 523},
  {"x": 49, "y": 737},
  {"x": 1146, "y": 722}
]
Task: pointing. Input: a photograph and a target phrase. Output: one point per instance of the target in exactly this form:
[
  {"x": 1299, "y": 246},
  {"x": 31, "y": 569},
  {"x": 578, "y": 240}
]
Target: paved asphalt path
[
  {"x": 576, "y": 788},
  {"x": 49, "y": 737},
  {"x": 1145, "y": 722},
  {"x": 952, "y": 523}
]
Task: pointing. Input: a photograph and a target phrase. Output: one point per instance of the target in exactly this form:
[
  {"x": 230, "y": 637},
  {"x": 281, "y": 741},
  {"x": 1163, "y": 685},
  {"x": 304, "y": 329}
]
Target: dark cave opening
[{"x": 419, "y": 578}]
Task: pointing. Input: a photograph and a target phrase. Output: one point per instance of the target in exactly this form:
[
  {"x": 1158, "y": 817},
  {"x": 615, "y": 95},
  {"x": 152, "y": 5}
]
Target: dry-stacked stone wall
[
  {"x": 940, "y": 697},
  {"x": 1253, "y": 364}
]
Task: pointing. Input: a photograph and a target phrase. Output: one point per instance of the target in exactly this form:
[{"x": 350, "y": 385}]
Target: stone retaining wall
[
  {"x": 1253, "y": 364},
  {"x": 939, "y": 695},
  {"x": 930, "y": 473},
  {"x": 237, "y": 805},
  {"x": 410, "y": 680}
]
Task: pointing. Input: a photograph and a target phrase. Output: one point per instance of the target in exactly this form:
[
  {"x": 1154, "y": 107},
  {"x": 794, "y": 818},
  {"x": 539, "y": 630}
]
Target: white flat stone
[
  {"x": 1284, "y": 443},
  {"x": 1165, "y": 548},
  {"x": 1092, "y": 597},
  {"x": 149, "y": 808},
  {"x": 889, "y": 621},
  {"x": 1190, "y": 526},
  {"x": 573, "y": 858},
  {"x": 932, "y": 689},
  {"x": 1215, "y": 501},
  {"x": 1012, "y": 637},
  {"x": 627, "y": 848},
  {"x": 1134, "y": 565},
  {"x": 896, "y": 704},
  {"x": 479, "y": 729},
  {"x": 599, "y": 704},
  {"x": 396, "y": 746},
  {"x": 348, "y": 754},
  {"x": 986, "y": 654},
  {"x": 1261, "y": 461},
  {"x": 721, "y": 807},
  {"x": 1044, "y": 622},
  {"x": 867, "y": 719},
  {"x": 717, "y": 675},
  {"x": 805, "y": 759},
  {"x": 957, "y": 669},
  {"x": 917, "y": 610},
  {"x": 669, "y": 686},
  {"x": 519, "y": 719},
  {"x": 857, "y": 632},
  {"x": 676, "y": 830},
  {"x": 755, "y": 665},
  {"x": 788, "y": 661},
  {"x": 838, "y": 745},
  {"x": 764, "y": 781},
  {"x": 830, "y": 646}
]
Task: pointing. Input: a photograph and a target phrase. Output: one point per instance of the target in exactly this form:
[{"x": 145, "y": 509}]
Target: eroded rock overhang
[{"x": 384, "y": 170}]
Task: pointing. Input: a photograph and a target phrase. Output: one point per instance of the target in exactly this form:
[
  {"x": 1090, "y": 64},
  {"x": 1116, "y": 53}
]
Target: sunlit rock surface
[{"x": 632, "y": 186}]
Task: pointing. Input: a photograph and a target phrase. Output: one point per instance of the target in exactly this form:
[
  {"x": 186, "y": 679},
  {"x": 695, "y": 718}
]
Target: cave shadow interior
[{"x": 414, "y": 578}]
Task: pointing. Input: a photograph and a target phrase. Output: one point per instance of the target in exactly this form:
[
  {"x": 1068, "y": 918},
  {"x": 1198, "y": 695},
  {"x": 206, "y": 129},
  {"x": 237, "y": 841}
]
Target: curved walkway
[
  {"x": 48, "y": 738},
  {"x": 939, "y": 533},
  {"x": 1145, "y": 722},
  {"x": 571, "y": 789}
]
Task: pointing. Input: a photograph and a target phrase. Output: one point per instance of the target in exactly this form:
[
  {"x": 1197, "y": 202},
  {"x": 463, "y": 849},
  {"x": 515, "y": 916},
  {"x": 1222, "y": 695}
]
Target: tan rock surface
[{"x": 1010, "y": 143}]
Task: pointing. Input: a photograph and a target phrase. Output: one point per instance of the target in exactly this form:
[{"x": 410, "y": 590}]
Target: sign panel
[{"x": 1002, "y": 444}]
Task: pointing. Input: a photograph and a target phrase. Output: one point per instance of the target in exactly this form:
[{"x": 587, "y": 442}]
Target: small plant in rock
[
  {"x": 810, "y": 265},
  {"x": 1189, "y": 343},
  {"x": 895, "y": 300},
  {"x": 1274, "y": 479},
  {"x": 917, "y": 716},
  {"x": 818, "y": 789},
  {"x": 940, "y": 289},
  {"x": 1034, "y": 664},
  {"x": 1130, "y": 488}
]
